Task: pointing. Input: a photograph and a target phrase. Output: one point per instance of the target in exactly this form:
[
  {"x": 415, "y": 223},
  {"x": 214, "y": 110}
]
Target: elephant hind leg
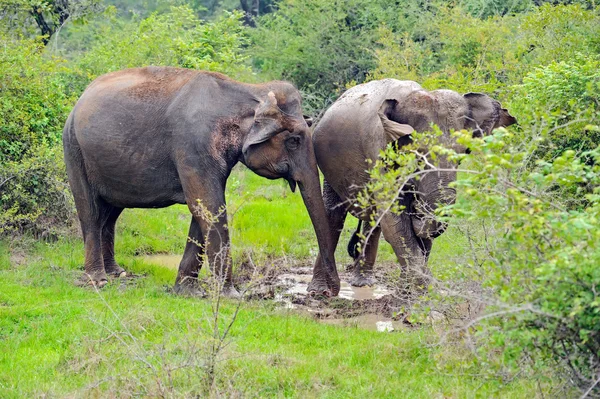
[
  {"x": 108, "y": 244},
  {"x": 412, "y": 253},
  {"x": 92, "y": 211},
  {"x": 336, "y": 214},
  {"x": 364, "y": 262}
]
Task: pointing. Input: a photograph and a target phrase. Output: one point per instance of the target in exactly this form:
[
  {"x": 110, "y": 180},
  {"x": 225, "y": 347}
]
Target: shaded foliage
[{"x": 176, "y": 38}]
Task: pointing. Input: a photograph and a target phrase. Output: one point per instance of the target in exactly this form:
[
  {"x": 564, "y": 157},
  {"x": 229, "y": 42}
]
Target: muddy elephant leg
[
  {"x": 206, "y": 200},
  {"x": 336, "y": 214},
  {"x": 218, "y": 251},
  {"x": 191, "y": 263},
  {"x": 363, "y": 266},
  {"x": 108, "y": 244},
  {"x": 412, "y": 253}
]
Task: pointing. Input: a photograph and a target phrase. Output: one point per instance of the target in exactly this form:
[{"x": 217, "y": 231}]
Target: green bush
[
  {"x": 458, "y": 51},
  {"x": 34, "y": 194},
  {"x": 177, "y": 38},
  {"x": 533, "y": 258},
  {"x": 34, "y": 102},
  {"x": 542, "y": 266},
  {"x": 322, "y": 45},
  {"x": 564, "y": 96}
]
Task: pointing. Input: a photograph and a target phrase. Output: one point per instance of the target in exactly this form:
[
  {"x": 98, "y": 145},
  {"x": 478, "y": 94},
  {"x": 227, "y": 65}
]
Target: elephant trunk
[
  {"x": 310, "y": 188},
  {"x": 432, "y": 191}
]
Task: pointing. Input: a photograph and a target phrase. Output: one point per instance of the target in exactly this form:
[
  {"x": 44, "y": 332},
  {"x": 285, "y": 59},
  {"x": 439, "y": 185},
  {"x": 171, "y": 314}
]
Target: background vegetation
[{"x": 524, "y": 230}]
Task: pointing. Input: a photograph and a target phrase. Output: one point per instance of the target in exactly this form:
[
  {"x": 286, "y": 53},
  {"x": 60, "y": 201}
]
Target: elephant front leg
[
  {"x": 191, "y": 263},
  {"x": 412, "y": 253},
  {"x": 363, "y": 266},
  {"x": 219, "y": 254},
  {"x": 323, "y": 283},
  {"x": 205, "y": 198}
]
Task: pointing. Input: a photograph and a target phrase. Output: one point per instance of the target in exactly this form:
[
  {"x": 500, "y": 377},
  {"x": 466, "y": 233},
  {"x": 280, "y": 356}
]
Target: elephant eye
[{"x": 291, "y": 143}]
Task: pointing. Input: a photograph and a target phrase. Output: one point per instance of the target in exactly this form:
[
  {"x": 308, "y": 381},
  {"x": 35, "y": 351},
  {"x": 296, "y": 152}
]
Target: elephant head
[
  {"x": 279, "y": 145},
  {"x": 449, "y": 110}
]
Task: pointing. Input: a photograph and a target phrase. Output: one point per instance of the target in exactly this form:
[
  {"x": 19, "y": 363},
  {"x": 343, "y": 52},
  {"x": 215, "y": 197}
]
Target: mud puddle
[
  {"x": 372, "y": 308},
  {"x": 299, "y": 282}
]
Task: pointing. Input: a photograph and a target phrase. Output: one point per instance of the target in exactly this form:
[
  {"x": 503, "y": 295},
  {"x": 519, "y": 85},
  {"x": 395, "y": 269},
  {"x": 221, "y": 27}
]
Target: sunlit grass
[{"x": 57, "y": 339}]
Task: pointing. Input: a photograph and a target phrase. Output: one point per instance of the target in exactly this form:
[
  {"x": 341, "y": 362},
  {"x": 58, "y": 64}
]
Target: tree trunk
[
  {"x": 60, "y": 11},
  {"x": 250, "y": 11}
]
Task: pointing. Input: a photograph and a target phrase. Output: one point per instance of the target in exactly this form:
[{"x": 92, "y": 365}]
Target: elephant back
[{"x": 350, "y": 132}]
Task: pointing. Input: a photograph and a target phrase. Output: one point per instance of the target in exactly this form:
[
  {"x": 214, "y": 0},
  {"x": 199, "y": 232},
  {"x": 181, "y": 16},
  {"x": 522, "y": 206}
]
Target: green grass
[{"x": 140, "y": 340}]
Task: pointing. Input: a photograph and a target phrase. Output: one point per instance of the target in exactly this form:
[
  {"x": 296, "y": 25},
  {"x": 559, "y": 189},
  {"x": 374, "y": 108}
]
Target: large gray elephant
[
  {"x": 361, "y": 123},
  {"x": 157, "y": 136}
]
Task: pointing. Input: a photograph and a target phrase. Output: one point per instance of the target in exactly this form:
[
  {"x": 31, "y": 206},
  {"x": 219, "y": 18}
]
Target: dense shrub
[
  {"x": 542, "y": 267},
  {"x": 34, "y": 103},
  {"x": 321, "y": 45},
  {"x": 34, "y": 194},
  {"x": 176, "y": 38},
  {"x": 487, "y": 55},
  {"x": 565, "y": 96},
  {"x": 535, "y": 258}
]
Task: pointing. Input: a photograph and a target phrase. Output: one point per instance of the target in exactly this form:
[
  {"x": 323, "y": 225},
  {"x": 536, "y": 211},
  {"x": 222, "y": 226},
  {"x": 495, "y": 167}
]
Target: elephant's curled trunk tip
[{"x": 353, "y": 243}]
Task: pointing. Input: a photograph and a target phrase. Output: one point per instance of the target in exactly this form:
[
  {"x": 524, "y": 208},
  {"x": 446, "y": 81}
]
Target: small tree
[{"x": 48, "y": 16}]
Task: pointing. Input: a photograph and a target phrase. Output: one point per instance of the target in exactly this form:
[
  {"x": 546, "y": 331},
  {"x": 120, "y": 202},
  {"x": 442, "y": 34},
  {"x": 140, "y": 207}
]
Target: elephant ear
[
  {"x": 392, "y": 129},
  {"x": 506, "y": 119},
  {"x": 486, "y": 114},
  {"x": 266, "y": 122}
]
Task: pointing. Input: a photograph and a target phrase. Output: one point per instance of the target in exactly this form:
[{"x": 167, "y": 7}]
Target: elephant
[
  {"x": 355, "y": 129},
  {"x": 157, "y": 136}
]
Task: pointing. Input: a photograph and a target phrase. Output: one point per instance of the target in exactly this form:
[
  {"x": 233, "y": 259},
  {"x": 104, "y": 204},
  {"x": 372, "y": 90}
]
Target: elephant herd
[{"x": 157, "y": 136}]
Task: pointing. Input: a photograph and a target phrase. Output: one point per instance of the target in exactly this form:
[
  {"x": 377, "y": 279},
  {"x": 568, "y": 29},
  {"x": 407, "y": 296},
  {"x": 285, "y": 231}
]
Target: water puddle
[
  {"x": 356, "y": 297},
  {"x": 356, "y": 307},
  {"x": 297, "y": 284},
  {"x": 167, "y": 260}
]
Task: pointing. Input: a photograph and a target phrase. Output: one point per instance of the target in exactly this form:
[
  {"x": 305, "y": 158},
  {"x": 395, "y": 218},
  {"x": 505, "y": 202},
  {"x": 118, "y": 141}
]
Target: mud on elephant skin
[
  {"x": 356, "y": 128},
  {"x": 157, "y": 136}
]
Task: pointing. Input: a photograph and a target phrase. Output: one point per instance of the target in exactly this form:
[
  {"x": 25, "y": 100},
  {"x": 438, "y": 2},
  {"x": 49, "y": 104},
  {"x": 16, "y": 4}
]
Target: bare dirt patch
[{"x": 18, "y": 257}]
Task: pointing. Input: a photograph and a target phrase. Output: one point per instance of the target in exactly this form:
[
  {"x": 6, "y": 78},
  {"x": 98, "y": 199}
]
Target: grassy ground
[{"x": 137, "y": 339}]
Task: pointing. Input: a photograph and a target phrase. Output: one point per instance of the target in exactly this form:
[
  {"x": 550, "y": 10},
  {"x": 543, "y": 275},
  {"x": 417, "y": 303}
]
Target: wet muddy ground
[{"x": 373, "y": 308}]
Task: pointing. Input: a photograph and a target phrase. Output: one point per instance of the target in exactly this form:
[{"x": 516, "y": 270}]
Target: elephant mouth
[
  {"x": 427, "y": 227},
  {"x": 422, "y": 214}
]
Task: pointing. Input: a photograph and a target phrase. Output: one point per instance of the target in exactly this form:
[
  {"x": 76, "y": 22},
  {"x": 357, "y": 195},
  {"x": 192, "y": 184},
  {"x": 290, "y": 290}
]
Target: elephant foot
[
  {"x": 96, "y": 279},
  {"x": 190, "y": 288},
  {"x": 231, "y": 292},
  {"x": 363, "y": 279},
  {"x": 115, "y": 270},
  {"x": 319, "y": 289}
]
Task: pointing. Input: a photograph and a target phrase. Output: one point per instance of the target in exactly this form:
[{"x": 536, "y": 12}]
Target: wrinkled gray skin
[
  {"x": 157, "y": 136},
  {"x": 361, "y": 123}
]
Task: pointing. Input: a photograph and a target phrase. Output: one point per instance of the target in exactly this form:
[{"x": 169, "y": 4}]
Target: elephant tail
[{"x": 353, "y": 243}]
